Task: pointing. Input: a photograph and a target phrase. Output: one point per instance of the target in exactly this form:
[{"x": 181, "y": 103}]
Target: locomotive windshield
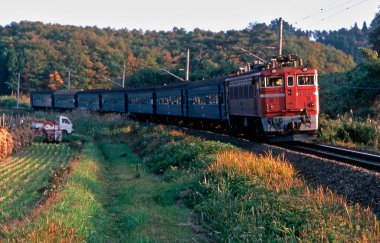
[
  {"x": 306, "y": 80},
  {"x": 267, "y": 82}
]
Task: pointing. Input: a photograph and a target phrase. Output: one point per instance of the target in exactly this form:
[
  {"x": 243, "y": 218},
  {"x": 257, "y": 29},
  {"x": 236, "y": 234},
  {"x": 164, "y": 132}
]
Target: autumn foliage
[{"x": 55, "y": 80}]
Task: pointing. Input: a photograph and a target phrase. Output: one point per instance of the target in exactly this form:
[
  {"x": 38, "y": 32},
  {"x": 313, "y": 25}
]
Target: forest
[
  {"x": 44, "y": 54},
  {"x": 47, "y": 56}
]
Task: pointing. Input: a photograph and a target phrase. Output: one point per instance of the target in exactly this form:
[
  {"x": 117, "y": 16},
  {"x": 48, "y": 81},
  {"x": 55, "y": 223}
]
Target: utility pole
[
  {"x": 280, "y": 39},
  {"x": 123, "y": 75},
  {"x": 187, "y": 65},
  {"x": 18, "y": 89},
  {"x": 68, "y": 80}
]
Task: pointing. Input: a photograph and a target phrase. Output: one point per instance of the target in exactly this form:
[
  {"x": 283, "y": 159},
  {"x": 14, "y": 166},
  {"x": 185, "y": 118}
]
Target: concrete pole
[
  {"x": 124, "y": 75},
  {"x": 18, "y": 89},
  {"x": 280, "y": 39},
  {"x": 68, "y": 80},
  {"x": 188, "y": 65}
]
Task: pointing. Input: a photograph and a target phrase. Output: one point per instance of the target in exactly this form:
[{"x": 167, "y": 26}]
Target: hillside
[{"x": 44, "y": 53}]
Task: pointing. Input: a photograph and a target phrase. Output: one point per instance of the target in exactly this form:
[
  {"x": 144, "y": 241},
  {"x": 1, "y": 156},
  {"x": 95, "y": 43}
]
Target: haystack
[{"x": 6, "y": 143}]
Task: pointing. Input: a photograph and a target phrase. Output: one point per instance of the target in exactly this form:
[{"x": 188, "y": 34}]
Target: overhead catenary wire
[
  {"x": 325, "y": 10},
  {"x": 353, "y": 87},
  {"x": 341, "y": 11}
]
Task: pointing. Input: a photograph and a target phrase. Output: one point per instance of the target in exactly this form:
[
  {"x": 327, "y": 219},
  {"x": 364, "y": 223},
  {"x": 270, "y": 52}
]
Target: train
[{"x": 277, "y": 100}]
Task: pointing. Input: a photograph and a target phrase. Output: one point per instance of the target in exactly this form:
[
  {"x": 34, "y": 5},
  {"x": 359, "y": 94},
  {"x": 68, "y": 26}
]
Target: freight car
[
  {"x": 65, "y": 100},
  {"x": 278, "y": 99},
  {"x": 42, "y": 100}
]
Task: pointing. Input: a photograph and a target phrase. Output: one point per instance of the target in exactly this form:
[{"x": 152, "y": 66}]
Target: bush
[
  {"x": 184, "y": 154},
  {"x": 347, "y": 130}
]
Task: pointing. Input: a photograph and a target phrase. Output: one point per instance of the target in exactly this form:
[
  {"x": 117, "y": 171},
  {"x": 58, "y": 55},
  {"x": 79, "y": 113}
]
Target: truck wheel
[{"x": 50, "y": 137}]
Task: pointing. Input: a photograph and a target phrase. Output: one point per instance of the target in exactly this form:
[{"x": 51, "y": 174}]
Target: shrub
[{"x": 347, "y": 130}]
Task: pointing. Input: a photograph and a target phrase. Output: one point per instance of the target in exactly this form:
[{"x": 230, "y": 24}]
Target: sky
[{"x": 204, "y": 14}]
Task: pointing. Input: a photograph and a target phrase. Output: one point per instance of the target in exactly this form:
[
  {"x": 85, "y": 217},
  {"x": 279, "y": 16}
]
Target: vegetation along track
[
  {"x": 354, "y": 157},
  {"x": 355, "y": 183}
]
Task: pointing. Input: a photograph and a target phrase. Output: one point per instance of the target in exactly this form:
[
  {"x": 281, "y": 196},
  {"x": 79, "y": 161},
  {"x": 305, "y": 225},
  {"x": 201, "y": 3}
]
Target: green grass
[
  {"x": 78, "y": 214},
  {"x": 144, "y": 209},
  {"x": 243, "y": 197},
  {"x": 24, "y": 174},
  {"x": 109, "y": 198}
]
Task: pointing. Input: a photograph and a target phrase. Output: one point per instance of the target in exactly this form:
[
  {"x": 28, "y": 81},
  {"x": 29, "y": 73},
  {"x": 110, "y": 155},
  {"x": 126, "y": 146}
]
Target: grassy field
[
  {"x": 108, "y": 197},
  {"x": 134, "y": 183},
  {"x": 24, "y": 176}
]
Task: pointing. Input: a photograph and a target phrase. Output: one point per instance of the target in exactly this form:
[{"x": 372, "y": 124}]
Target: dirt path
[{"x": 140, "y": 205}]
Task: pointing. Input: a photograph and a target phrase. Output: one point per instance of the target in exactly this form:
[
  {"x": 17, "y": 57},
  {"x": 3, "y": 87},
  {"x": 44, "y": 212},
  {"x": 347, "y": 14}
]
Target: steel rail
[{"x": 362, "y": 159}]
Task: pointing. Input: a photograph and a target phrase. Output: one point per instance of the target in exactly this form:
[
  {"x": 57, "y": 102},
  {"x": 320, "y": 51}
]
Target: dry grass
[
  {"x": 274, "y": 172},
  {"x": 6, "y": 143},
  {"x": 286, "y": 197}
]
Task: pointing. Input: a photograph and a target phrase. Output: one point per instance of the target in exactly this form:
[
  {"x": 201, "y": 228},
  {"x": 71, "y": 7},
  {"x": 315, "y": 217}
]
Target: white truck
[{"x": 52, "y": 131}]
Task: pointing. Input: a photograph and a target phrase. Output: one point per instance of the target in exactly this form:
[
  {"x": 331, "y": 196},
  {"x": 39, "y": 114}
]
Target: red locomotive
[{"x": 279, "y": 98}]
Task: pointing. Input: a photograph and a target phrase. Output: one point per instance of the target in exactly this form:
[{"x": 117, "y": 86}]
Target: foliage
[
  {"x": 95, "y": 55},
  {"x": 55, "y": 81},
  {"x": 7, "y": 101},
  {"x": 348, "y": 130},
  {"x": 374, "y": 34},
  {"x": 356, "y": 89},
  {"x": 347, "y": 40}
]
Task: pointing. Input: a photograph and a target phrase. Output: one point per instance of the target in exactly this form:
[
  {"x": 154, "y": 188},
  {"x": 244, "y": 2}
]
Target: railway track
[{"x": 358, "y": 158}]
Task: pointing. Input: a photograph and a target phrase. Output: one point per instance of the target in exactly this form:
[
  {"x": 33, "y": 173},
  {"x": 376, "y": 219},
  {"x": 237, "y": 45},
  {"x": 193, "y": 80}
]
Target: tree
[
  {"x": 55, "y": 80},
  {"x": 374, "y": 34}
]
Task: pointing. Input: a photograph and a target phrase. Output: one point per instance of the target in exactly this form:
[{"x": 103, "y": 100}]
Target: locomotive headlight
[
  {"x": 304, "y": 69},
  {"x": 274, "y": 71}
]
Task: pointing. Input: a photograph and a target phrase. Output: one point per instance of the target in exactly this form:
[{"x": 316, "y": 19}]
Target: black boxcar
[
  {"x": 171, "y": 101},
  {"x": 41, "y": 100},
  {"x": 89, "y": 100},
  {"x": 141, "y": 101},
  {"x": 114, "y": 100},
  {"x": 65, "y": 99},
  {"x": 206, "y": 99}
]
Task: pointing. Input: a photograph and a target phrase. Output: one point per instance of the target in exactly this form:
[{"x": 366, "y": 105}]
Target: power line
[
  {"x": 323, "y": 10},
  {"x": 341, "y": 11},
  {"x": 353, "y": 87},
  {"x": 328, "y": 9}
]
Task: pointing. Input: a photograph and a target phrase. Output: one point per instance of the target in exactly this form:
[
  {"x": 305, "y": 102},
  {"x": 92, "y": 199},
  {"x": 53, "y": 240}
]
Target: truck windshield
[{"x": 64, "y": 120}]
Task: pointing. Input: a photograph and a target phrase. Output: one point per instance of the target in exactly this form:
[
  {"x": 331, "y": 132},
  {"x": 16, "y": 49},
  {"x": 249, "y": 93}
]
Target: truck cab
[{"x": 65, "y": 124}]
